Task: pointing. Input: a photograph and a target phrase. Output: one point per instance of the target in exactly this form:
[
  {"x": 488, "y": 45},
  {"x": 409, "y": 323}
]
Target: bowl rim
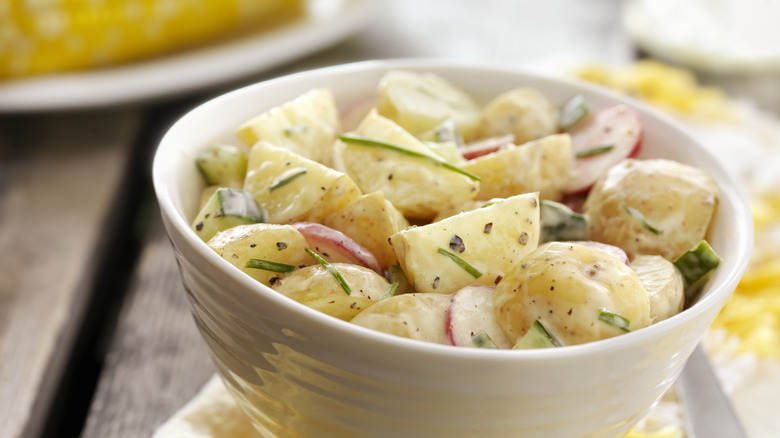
[{"x": 729, "y": 188}]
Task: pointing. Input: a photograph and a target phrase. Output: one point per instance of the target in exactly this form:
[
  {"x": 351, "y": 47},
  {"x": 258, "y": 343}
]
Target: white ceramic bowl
[{"x": 300, "y": 373}]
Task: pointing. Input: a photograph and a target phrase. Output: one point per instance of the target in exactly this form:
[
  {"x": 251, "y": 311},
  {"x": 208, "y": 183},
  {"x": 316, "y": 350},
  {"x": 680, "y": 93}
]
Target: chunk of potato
[
  {"x": 307, "y": 125},
  {"x": 420, "y": 102},
  {"x": 664, "y": 284},
  {"x": 524, "y": 112},
  {"x": 417, "y": 186},
  {"x": 270, "y": 242},
  {"x": 370, "y": 220},
  {"x": 414, "y": 316},
  {"x": 657, "y": 207},
  {"x": 566, "y": 286},
  {"x": 536, "y": 166},
  {"x": 291, "y": 188},
  {"x": 317, "y": 288},
  {"x": 491, "y": 240}
]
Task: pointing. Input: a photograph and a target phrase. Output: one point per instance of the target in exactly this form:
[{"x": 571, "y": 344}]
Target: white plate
[
  {"x": 325, "y": 23},
  {"x": 725, "y": 36}
]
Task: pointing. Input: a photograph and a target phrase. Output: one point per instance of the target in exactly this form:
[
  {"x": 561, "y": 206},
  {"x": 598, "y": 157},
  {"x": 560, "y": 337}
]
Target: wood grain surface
[
  {"x": 157, "y": 360},
  {"x": 59, "y": 175}
]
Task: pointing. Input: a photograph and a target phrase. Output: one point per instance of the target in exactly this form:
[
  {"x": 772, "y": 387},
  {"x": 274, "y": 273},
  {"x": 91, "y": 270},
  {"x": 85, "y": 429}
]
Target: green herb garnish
[
  {"x": 390, "y": 291},
  {"x": 267, "y": 265},
  {"x": 333, "y": 271},
  {"x": 460, "y": 262},
  {"x": 408, "y": 152},
  {"x": 641, "y": 219},
  {"x": 596, "y": 150},
  {"x": 537, "y": 336},
  {"x": 615, "y": 320},
  {"x": 287, "y": 180}
]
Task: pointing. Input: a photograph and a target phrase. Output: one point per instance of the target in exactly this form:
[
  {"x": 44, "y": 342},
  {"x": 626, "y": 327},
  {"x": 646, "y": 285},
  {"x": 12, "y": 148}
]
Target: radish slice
[
  {"x": 486, "y": 146},
  {"x": 336, "y": 247},
  {"x": 612, "y": 250},
  {"x": 354, "y": 113},
  {"x": 600, "y": 141},
  {"x": 471, "y": 312}
]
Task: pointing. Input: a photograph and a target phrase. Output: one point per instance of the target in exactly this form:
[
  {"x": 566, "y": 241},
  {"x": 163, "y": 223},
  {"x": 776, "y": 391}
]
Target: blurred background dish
[
  {"x": 715, "y": 36},
  {"x": 180, "y": 59}
]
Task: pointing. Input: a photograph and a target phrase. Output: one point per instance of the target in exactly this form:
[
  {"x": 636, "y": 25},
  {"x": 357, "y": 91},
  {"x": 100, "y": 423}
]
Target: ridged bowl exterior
[{"x": 299, "y": 373}]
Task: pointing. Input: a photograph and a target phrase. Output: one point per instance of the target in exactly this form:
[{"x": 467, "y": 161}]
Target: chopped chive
[
  {"x": 482, "y": 340},
  {"x": 390, "y": 291},
  {"x": 287, "y": 180},
  {"x": 267, "y": 265},
  {"x": 333, "y": 271},
  {"x": 615, "y": 320},
  {"x": 697, "y": 262},
  {"x": 375, "y": 143},
  {"x": 596, "y": 150},
  {"x": 641, "y": 219},
  {"x": 574, "y": 110},
  {"x": 537, "y": 336},
  {"x": 292, "y": 130},
  {"x": 460, "y": 262}
]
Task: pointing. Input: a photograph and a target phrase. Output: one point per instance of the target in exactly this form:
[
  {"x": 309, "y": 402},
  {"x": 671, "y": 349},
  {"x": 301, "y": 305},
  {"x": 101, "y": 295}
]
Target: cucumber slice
[
  {"x": 561, "y": 223},
  {"x": 225, "y": 209},
  {"x": 482, "y": 340},
  {"x": 222, "y": 165},
  {"x": 695, "y": 264},
  {"x": 537, "y": 337}
]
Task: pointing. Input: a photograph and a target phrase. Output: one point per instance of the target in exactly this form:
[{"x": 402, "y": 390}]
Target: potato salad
[{"x": 516, "y": 223}]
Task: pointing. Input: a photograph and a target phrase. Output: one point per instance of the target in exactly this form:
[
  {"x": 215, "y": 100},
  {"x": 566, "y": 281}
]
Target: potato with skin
[
  {"x": 269, "y": 242},
  {"x": 492, "y": 240},
  {"x": 291, "y": 188},
  {"x": 566, "y": 286},
  {"x": 317, "y": 288},
  {"x": 664, "y": 284},
  {"x": 417, "y": 186},
  {"x": 370, "y": 220},
  {"x": 418, "y": 316},
  {"x": 419, "y": 102},
  {"x": 656, "y": 207},
  {"x": 307, "y": 125},
  {"x": 524, "y": 112},
  {"x": 536, "y": 166}
]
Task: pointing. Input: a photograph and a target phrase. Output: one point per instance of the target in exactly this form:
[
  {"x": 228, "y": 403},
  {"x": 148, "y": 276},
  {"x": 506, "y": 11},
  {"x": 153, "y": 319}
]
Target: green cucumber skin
[
  {"x": 560, "y": 223},
  {"x": 222, "y": 165},
  {"x": 225, "y": 209},
  {"x": 536, "y": 337}
]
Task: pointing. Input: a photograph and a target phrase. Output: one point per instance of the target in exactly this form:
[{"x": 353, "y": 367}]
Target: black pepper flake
[
  {"x": 253, "y": 245},
  {"x": 352, "y": 306},
  {"x": 435, "y": 283},
  {"x": 281, "y": 245},
  {"x": 569, "y": 312},
  {"x": 456, "y": 244},
  {"x": 524, "y": 265},
  {"x": 523, "y": 238},
  {"x": 207, "y": 215},
  {"x": 488, "y": 228},
  {"x": 498, "y": 279},
  {"x": 552, "y": 287},
  {"x": 273, "y": 280},
  {"x": 322, "y": 188},
  {"x": 389, "y": 177},
  {"x": 199, "y": 226}
]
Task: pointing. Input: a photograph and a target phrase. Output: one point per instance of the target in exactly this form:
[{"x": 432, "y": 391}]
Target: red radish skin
[
  {"x": 618, "y": 126},
  {"x": 486, "y": 146},
  {"x": 355, "y": 112},
  {"x": 471, "y": 311},
  {"x": 336, "y": 247},
  {"x": 612, "y": 250}
]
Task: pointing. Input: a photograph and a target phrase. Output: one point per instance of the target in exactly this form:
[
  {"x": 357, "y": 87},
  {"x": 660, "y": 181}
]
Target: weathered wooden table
[{"x": 96, "y": 338}]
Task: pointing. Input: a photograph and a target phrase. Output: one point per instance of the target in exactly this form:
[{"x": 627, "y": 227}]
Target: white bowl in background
[{"x": 300, "y": 373}]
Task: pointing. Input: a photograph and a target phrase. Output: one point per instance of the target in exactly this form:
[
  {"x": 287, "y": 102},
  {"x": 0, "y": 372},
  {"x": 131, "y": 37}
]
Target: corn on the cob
[{"x": 46, "y": 36}]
